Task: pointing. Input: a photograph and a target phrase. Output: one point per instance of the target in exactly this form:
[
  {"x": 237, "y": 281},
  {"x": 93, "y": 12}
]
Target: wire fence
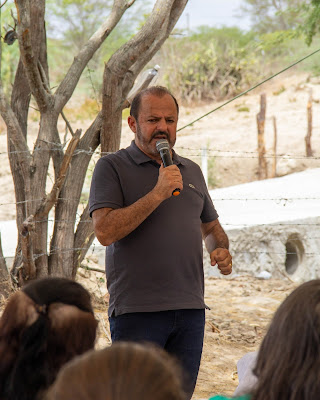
[
  {"x": 210, "y": 153},
  {"x": 192, "y": 152}
]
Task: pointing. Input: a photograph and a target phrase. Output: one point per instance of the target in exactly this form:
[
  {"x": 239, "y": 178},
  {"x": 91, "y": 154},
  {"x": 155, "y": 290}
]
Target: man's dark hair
[{"x": 158, "y": 91}]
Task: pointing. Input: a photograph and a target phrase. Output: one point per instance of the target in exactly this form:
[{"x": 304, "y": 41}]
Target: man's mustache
[{"x": 160, "y": 133}]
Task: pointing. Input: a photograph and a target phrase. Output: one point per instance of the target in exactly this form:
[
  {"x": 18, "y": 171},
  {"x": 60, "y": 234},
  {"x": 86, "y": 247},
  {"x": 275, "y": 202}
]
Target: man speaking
[{"x": 152, "y": 218}]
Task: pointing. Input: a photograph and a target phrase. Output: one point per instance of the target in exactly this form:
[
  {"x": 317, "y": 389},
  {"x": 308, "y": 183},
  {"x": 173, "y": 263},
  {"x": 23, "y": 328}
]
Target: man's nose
[{"x": 162, "y": 125}]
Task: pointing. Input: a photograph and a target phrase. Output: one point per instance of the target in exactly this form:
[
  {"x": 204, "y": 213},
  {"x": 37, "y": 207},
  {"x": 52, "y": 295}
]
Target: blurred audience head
[
  {"x": 120, "y": 372},
  {"x": 288, "y": 363},
  {"x": 44, "y": 325}
]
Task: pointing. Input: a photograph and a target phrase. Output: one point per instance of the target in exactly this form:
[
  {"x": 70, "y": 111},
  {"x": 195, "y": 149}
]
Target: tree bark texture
[
  {"x": 5, "y": 282},
  {"x": 38, "y": 255}
]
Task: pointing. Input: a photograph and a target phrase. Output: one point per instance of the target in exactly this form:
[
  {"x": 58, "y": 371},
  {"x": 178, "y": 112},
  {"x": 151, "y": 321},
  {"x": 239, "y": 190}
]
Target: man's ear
[{"x": 132, "y": 123}]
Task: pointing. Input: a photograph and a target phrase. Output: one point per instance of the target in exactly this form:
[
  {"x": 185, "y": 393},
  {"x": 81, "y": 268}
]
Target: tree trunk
[
  {"x": 5, "y": 282},
  {"x": 71, "y": 236}
]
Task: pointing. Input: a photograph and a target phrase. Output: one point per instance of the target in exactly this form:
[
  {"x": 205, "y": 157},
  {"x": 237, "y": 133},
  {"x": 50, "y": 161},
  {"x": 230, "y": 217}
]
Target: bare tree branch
[
  {"x": 147, "y": 40},
  {"x": 72, "y": 189},
  {"x": 83, "y": 239},
  {"x": 30, "y": 61},
  {"x": 52, "y": 197},
  {"x": 28, "y": 270},
  {"x": 72, "y": 77},
  {"x": 30, "y": 169},
  {"x": 125, "y": 64},
  {"x": 176, "y": 10},
  {"x": 67, "y": 123},
  {"x": 17, "y": 137},
  {"x": 3, "y": 3},
  {"x": 48, "y": 89}
]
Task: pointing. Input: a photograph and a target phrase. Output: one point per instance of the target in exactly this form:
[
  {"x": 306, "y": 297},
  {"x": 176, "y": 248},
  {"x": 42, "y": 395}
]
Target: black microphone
[{"x": 163, "y": 148}]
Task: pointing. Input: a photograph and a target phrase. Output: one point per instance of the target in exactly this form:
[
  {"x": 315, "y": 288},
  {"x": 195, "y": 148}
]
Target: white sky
[{"x": 214, "y": 13}]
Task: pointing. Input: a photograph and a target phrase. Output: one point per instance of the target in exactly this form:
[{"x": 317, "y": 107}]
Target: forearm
[
  {"x": 213, "y": 242},
  {"x": 215, "y": 237},
  {"x": 111, "y": 226}
]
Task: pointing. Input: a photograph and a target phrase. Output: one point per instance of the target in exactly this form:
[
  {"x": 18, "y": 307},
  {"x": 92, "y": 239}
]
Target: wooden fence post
[
  {"x": 307, "y": 138},
  {"x": 261, "y": 117},
  {"x": 275, "y": 138}
]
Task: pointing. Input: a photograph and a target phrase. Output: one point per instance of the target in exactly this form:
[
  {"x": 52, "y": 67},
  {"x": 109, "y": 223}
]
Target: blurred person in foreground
[
  {"x": 287, "y": 365},
  {"x": 154, "y": 254},
  {"x": 120, "y": 372},
  {"x": 44, "y": 325}
]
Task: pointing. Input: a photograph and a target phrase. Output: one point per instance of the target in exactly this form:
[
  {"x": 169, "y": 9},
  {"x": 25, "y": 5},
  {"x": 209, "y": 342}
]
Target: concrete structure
[{"x": 273, "y": 225}]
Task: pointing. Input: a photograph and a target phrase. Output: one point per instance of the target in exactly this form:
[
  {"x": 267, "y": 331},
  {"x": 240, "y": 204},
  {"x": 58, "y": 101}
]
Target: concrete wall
[{"x": 290, "y": 249}]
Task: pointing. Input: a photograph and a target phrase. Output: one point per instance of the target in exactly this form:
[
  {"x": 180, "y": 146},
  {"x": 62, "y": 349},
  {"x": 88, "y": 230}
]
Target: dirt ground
[{"x": 241, "y": 307}]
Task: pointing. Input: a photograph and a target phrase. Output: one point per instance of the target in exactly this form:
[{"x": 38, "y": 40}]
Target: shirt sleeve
[
  {"x": 105, "y": 190},
  {"x": 209, "y": 212}
]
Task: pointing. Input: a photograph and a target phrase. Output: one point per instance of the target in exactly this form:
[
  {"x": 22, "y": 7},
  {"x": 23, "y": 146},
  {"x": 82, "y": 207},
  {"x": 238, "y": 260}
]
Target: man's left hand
[{"x": 223, "y": 259}]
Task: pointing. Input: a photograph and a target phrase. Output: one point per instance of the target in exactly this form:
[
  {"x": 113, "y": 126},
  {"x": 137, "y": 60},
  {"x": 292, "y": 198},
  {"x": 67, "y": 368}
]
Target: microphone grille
[{"x": 162, "y": 144}]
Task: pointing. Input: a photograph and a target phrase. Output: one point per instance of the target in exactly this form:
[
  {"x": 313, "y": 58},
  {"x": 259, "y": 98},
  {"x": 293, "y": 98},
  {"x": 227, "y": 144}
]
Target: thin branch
[
  {"x": 42, "y": 97},
  {"x": 16, "y": 137},
  {"x": 47, "y": 87},
  {"x": 67, "y": 86},
  {"x": 44, "y": 78},
  {"x": 83, "y": 239},
  {"x": 137, "y": 51},
  {"x": 3, "y": 4},
  {"x": 67, "y": 123},
  {"x": 28, "y": 270},
  {"x": 52, "y": 197},
  {"x": 92, "y": 269}
]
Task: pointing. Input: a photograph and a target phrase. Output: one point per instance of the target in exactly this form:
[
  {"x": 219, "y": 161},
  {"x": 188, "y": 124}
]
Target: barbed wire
[
  {"x": 198, "y": 151},
  {"x": 224, "y": 224},
  {"x": 279, "y": 201},
  {"x": 75, "y": 249},
  {"x": 249, "y": 90},
  {"x": 271, "y": 224}
]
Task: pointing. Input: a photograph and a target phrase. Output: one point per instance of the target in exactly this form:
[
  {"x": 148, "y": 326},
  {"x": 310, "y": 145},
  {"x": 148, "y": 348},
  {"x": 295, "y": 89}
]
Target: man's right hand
[{"x": 169, "y": 179}]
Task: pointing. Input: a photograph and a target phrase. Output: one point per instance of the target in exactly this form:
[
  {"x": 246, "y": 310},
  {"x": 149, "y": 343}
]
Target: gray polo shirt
[{"x": 158, "y": 266}]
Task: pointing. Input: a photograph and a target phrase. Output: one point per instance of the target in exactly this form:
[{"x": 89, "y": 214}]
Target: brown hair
[
  {"x": 120, "y": 372},
  {"x": 158, "y": 91},
  {"x": 43, "y": 326},
  {"x": 288, "y": 364}
]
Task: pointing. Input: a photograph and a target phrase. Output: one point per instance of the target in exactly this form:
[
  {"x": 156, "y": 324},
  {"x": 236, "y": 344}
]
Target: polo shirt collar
[{"x": 139, "y": 157}]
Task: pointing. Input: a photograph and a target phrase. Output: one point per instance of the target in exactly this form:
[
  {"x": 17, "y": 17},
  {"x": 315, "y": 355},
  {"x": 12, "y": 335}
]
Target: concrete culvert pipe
[{"x": 294, "y": 254}]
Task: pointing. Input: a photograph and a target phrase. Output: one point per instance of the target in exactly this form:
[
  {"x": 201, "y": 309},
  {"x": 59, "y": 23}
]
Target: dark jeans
[{"x": 180, "y": 332}]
